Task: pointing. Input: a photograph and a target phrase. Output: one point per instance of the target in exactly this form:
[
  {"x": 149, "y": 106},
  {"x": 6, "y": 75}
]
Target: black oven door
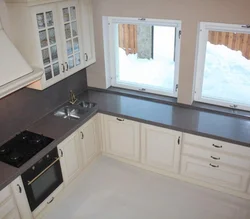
[{"x": 42, "y": 179}]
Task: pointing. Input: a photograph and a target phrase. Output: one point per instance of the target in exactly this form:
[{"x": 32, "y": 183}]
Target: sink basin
[
  {"x": 86, "y": 105},
  {"x": 69, "y": 112}
]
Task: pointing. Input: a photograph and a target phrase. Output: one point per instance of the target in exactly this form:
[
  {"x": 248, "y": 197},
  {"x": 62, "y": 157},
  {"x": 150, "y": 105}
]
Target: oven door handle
[{"x": 30, "y": 182}]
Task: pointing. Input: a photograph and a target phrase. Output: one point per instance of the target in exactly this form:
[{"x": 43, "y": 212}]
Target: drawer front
[
  {"x": 220, "y": 175},
  {"x": 216, "y": 156},
  {"x": 7, "y": 207},
  {"x": 216, "y": 145},
  {"x": 4, "y": 194}
]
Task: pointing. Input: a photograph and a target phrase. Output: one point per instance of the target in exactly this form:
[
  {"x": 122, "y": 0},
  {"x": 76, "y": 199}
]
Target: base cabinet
[
  {"x": 160, "y": 148},
  {"x": 122, "y": 137},
  {"x": 70, "y": 159},
  {"x": 89, "y": 141}
]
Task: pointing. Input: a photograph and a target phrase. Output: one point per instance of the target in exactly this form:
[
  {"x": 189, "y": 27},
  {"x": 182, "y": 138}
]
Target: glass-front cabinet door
[
  {"x": 48, "y": 37},
  {"x": 72, "y": 41}
]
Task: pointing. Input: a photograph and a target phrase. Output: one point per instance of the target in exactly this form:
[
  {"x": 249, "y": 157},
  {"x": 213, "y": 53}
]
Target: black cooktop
[{"x": 22, "y": 147}]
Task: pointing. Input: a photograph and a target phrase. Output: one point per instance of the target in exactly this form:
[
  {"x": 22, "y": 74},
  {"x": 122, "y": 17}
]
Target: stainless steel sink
[
  {"x": 86, "y": 105},
  {"x": 69, "y": 112},
  {"x": 74, "y": 111}
]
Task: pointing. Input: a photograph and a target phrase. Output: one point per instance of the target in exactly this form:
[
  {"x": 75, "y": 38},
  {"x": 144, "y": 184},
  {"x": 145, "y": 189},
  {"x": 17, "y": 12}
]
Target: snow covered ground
[{"x": 226, "y": 76}]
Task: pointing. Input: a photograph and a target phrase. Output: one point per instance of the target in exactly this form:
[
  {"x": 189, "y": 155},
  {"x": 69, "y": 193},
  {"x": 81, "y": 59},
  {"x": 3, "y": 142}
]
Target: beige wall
[{"x": 191, "y": 12}]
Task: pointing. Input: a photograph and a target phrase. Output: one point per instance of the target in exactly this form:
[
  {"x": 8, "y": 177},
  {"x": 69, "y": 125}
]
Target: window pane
[
  {"x": 227, "y": 67},
  {"x": 49, "y": 18},
  {"x": 40, "y": 21},
  {"x": 146, "y": 56}
]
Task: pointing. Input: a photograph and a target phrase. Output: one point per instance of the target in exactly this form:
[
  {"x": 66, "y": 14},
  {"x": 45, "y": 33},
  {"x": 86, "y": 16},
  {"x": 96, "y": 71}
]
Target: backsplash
[{"x": 24, "y": 107}]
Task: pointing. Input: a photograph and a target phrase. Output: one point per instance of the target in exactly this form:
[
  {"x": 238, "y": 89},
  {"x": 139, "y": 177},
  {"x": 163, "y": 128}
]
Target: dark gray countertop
[{"x": 217, "y": 126}]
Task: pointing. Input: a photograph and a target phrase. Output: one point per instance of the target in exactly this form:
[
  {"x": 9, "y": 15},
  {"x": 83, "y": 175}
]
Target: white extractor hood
[{"x": 15, "y": 72}]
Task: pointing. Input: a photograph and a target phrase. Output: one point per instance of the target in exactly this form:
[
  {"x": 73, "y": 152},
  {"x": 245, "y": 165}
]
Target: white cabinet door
[
  {"x": 88, "y": 32},
  {"x": 69, "y": 158},
  {"x": 122, "y": 137},
  {"x": 88, "y": 141},
  {"x": 21, "y": 198},
  {"x": 46, "y": 25},
  {"x": 70, "y": 21},
  {"x": 213, "y": 173},
  {"x": 160, "y": 147}
]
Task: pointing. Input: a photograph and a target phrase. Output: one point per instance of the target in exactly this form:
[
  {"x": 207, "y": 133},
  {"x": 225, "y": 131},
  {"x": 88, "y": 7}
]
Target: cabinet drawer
[
  {"x": 216, "y": 174},
  {"x": 4, "y": 194},
  {"x": 216, "y": 156},
  {"x": 7, "y": 207},
  {"x": 216, "y": 145},
  {"x": 12, "y": 215}
]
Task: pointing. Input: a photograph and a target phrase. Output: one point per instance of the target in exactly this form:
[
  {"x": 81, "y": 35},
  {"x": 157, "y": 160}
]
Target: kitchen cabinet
[
  {"x": 8, "y": 207},
  {"x": 50, "y": 36},
  {"x": 89, "y": 140},
  {"x": 70, "y": 158},
  {"x": 122, "y": 137},
  {"x": 160, "y": 148},
  {"x": 21, "y": 198}
]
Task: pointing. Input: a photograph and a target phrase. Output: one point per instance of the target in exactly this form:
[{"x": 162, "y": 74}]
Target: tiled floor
[{"x": 109, "y": 189}]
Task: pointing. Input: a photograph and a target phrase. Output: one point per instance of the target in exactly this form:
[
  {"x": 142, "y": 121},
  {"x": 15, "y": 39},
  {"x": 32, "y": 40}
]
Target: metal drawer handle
[
  {"x": 86, "y": 57},
  {"x": 63, "y": 70},
  {"x": 30, "y": 182},
  {"x": 51, "y": 200},
  {"x": 215, "y": 158},
  {"x": 61, "y": 152},
  {"x": 82, "y": 135},
  {"x": 217, "y": 146},
  {"x": 20, "y": 188},
  {"x": 214, "y": 166},
  {"x": 67, "y": 66},
  {"x": 121, "y": 120}
]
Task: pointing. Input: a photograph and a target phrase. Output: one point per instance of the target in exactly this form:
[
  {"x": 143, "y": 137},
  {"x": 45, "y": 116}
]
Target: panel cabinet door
[
  {"x": 70, "y": 21},
  {"x": 69, "y": 158},
  {"x": 122, "y": 137},
  {"x": 88, "y": 32},
  {"x": 161, "y": 147},
  {"x": 45, "y": 19},
  {"x": 88, "y": 141}
]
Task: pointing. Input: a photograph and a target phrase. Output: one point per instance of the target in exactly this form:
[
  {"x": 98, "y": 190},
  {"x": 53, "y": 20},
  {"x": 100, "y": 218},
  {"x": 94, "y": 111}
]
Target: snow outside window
[
  {"x": 144, "y": 54},
  {"x": 223, "y": 65}
]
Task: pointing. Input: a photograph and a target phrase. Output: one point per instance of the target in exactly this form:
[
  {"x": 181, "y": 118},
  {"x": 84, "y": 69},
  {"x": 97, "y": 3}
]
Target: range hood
[{"x": 15, "y": 72}]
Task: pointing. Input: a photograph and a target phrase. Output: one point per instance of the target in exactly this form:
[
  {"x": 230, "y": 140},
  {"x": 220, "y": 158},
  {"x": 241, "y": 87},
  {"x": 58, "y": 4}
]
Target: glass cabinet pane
[
  {"x": 67, "y": 31},
  {"x": 49, "y": 18},
  {"x": 45, "y": 55},
  {"x": 76, "y": 44},
  {"x": 48, "y": 73},
  {"x": 77, "y": 59},
  {"x": 65, "y": 14},
  {"x": 74, "y": 28},
  {"x": 69, "y": 48},
  {"x": 54, "y": 55},
  {"x": 73, "y": 13},
  {"x": 71, "y": 62},
  {"x": 52, "y": 37},
  {"x": 56, "y": 69},
  {"x": 43, "y": 38},
  {"x": 40, "y": 21}
]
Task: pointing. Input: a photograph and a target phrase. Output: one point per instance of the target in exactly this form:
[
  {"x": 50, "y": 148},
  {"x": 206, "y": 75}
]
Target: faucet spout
[{"x": 72, "y": 97}]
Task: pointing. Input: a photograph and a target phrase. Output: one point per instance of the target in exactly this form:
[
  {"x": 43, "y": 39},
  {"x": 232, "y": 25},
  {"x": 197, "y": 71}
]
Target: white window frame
[
  {"x": 203, "y": 30},
  {"x": 111, "y": 51}
]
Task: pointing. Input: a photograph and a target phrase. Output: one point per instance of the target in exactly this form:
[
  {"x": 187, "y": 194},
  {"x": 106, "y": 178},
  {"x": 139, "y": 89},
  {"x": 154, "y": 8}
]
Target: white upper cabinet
[
  {"x": 70, "y": 22},
  {"x": 122, "y": 137},
  {"x": 88, "y": 32},
  {"x": 50, "y": 36},
  {"x": 161, "y": 148}
]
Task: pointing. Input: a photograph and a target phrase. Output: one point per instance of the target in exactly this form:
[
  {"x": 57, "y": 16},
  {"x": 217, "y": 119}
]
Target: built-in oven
[{"x": 42, "y": 179}]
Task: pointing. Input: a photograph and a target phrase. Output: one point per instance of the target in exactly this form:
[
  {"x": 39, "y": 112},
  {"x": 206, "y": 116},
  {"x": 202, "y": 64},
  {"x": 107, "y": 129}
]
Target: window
[
  {"x": 223, "y": 65},
  {"x": 143, "y": 54}
]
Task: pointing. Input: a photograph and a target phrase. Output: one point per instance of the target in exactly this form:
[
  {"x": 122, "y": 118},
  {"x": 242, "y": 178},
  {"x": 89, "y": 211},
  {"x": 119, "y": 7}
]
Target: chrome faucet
[{"x": 72, "y": 97}]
